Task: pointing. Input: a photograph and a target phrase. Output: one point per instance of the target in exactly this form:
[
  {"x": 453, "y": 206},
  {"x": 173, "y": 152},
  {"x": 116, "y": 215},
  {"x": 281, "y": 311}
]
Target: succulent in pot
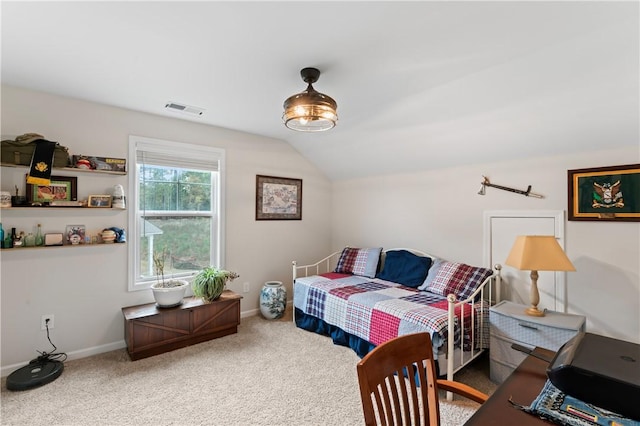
[
  {"x": 210, "y": 282},
  {"x": 167, "y": 292}
]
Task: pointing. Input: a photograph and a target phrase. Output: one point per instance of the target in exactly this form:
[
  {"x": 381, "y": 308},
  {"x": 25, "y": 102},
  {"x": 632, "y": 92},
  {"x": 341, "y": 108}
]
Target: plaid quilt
[{"x": 376, "y": 310}]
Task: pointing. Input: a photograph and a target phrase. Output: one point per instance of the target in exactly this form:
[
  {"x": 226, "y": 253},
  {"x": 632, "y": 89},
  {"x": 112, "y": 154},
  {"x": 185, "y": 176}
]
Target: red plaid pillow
[
  {"x": 459, "y": 279},
  {"x": 359, "y": 261}
]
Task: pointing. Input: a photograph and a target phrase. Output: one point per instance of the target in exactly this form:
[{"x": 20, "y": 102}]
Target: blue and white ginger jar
[{"x": 273, "y": 300}]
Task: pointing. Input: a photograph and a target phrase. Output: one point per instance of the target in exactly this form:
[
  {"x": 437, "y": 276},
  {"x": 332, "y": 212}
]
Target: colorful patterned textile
[
  {"x": 458, "y": 278},
  {"x": 433, "y": 271},
  {"x": 552, "y": 404},
  {"x": 359, "y": 261},
  {"x": 347, "y": 260},
  {"x": 376, "y": 310}
]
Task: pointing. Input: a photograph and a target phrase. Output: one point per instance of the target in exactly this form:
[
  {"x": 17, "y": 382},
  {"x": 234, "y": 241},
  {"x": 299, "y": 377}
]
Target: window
[{"x": 176, "y": 203}]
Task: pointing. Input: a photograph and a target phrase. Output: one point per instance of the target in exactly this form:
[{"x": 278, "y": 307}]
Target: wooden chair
[{"x": 398, "y": 380}]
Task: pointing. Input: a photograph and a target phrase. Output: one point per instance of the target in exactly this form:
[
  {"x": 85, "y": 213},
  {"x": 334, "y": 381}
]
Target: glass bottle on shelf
[
  {"x": 1, "y": 236},
  {"x": 30, "y": 240},
  {"x": 8, "y": 239},
  {"x": 14, "y": 237},
  {"x": 39, "y": 238}
]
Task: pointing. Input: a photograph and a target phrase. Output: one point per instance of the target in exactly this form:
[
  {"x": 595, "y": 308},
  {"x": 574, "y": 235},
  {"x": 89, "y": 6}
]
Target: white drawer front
[
  {"x": 499, "y": 371},
  {"x": 500, "y": 350},
  {"x": 528, "y": 332}
]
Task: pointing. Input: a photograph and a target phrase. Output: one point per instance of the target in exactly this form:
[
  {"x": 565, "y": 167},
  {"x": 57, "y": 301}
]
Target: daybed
[{"x": 364, "y": 297}]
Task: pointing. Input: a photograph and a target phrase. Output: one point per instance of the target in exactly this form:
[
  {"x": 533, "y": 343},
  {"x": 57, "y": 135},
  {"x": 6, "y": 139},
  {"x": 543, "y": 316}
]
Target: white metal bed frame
[{"x": 484, "y": 292}]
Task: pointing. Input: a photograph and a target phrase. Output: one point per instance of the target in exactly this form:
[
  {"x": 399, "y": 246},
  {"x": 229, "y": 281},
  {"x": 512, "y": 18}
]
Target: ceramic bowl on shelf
[{"x": 108, "y": 236}]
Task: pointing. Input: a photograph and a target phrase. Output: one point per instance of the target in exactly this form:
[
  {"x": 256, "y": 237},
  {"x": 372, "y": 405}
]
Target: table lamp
[{"x": 538, "y": 253}]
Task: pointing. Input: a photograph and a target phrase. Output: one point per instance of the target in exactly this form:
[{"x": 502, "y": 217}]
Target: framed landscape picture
[
  {"x": 605, "y": 193},
  {"x": 278, "y": 198},
  {"x": 61, "y": 188}
]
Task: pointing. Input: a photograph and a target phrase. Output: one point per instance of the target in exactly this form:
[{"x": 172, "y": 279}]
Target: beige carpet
[{"x": 270, "y": 373}]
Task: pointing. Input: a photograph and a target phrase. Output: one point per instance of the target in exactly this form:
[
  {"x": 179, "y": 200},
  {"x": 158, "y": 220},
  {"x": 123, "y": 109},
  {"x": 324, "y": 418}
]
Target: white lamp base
[{"x": 535, "y": 297}]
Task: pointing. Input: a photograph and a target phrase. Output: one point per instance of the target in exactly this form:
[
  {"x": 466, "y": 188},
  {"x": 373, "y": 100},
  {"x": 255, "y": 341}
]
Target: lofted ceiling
[{"x": 419, "y": 85}]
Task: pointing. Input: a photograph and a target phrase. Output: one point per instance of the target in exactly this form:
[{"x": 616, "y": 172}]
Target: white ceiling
[{"x": 419, "y": 85}]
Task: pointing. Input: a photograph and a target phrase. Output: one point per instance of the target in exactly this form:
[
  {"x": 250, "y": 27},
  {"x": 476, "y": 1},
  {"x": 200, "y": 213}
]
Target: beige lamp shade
[{"x": 538, "y": 253}]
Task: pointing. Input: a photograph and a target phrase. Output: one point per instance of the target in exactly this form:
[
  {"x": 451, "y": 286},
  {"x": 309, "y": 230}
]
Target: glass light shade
[{"x": 310, "y": 111}]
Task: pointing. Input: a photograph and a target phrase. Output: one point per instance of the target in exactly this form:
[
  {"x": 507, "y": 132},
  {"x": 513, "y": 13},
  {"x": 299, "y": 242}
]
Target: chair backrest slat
[{"x": 398, "y": 378}]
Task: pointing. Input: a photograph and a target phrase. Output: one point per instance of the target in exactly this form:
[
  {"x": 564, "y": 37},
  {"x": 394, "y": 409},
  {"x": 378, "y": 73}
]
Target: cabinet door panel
[
  {"x": 215, "y": 316},
  {"x": 160, "y": 328}
]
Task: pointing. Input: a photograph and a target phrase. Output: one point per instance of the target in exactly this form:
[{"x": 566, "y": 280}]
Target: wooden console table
[
  {"x": 150, "y": 330},
  {"x": 522, "y": 386}
]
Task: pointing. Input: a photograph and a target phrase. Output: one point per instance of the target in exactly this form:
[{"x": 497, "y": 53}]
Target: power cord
[{"x": 49, "y": 356}]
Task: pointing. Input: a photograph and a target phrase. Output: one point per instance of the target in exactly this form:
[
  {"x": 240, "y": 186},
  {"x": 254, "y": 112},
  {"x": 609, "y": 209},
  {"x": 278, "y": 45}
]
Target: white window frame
[{"x": 177, "y": 150}]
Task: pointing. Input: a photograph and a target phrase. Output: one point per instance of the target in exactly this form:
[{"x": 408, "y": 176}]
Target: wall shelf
[
  {"x": 104, "y": 210},
  {"x": 23, "y": 217},
  {"x": 68, "y": 169},
  {"x": 6, "y": 250}
]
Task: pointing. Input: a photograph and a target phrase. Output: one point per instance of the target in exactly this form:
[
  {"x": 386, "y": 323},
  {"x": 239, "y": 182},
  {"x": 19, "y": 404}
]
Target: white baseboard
[
  {"x": 95, "y": 350},
  {"x": 82, "y": 353},
  {"x": 250, "y": 313},
  {"x": 256, "y": 311}
]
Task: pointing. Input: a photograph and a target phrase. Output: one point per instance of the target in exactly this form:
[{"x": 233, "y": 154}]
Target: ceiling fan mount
[{"x": 310, "y": 75}]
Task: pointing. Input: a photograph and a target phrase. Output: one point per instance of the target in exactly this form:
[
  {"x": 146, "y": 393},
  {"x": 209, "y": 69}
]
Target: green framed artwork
[
  {"x": 605, "y": 193},
  {"x": 61, "y": 188}
]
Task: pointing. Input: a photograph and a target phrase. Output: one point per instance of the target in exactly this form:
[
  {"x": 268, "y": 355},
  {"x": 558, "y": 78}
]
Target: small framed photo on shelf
[
  {"x": 75, "y": 234},
  {"x": 103, "y": 201}
]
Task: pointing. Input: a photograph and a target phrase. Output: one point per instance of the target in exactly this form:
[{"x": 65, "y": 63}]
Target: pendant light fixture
[{"x": 310, "y": 111}]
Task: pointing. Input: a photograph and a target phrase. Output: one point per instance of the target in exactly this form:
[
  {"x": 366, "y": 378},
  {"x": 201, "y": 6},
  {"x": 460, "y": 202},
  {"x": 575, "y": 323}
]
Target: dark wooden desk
[{"x": 522, "y": 386}]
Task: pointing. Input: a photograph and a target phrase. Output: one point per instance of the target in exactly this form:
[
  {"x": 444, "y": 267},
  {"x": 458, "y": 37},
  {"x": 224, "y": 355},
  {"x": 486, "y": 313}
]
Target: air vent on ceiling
[{"x": 186, "y": 109}]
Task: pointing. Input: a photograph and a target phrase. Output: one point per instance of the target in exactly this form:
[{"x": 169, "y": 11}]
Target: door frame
[{"x": 558, "y": 216}]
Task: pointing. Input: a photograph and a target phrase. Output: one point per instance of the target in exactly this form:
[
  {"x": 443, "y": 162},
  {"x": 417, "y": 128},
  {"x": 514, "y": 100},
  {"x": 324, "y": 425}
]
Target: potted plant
[
  {"x": 210, "y": 282},
  {"x": 167, "y": 292}
]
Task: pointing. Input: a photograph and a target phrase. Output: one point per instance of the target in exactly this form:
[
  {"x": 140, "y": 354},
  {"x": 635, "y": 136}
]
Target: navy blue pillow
[{"x": 404, "y": 267}]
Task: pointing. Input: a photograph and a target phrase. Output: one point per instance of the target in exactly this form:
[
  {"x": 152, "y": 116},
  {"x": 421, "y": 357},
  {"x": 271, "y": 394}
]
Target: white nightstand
[{"x": 509, "y": 324}]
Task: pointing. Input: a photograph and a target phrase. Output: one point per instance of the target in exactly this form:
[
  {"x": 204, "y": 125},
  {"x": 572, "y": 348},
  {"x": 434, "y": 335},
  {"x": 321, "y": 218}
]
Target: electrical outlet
[
  {"x": 44, "y": 324},
  {"x": 246, "y": 288}
]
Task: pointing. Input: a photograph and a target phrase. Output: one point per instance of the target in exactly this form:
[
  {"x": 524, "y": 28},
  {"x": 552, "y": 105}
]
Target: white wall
[
  {"x": 85, "y": 288},
  {"x": 441, "y": 213},
  {"x": 438, "y": 211}
]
